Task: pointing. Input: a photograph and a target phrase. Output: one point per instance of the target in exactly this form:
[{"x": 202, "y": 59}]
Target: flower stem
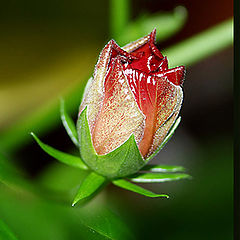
[{"x": 119, "y": 17}]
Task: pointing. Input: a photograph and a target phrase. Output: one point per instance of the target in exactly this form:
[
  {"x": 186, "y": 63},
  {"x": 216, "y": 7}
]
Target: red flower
[{"x": 132, "y": 91}]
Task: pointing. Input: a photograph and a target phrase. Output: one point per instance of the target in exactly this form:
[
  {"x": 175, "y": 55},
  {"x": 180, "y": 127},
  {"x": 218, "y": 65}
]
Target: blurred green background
[{"x": 49, "y": 49}]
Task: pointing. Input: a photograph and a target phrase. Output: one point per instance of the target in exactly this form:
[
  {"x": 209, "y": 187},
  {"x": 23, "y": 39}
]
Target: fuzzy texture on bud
[{"x": 132, "y": 91}]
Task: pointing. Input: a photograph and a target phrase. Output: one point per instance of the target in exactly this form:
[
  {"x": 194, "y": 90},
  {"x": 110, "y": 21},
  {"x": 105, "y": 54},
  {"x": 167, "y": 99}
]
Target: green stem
[
  {"x": 202, "y": 45},
  {"x": 119, "y": 17}
]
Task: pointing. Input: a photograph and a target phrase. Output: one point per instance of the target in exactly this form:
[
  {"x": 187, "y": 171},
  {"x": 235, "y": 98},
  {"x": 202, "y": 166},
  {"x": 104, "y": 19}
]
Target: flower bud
[{"x": 132, "y": 93}]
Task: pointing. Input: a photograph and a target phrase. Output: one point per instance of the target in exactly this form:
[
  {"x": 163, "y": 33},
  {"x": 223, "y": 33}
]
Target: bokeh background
[{"x": 49, "y": 49}]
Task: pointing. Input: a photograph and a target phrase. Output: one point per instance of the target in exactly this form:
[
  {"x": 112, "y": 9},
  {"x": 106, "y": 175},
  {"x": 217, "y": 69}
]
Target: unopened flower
[{"x": 132, "y": 93}]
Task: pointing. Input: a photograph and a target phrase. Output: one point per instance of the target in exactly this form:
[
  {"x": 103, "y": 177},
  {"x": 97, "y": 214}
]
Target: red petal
[
  {"x": 119, "y": 116},
  {"x": 156, "y": 97},
  {"x": 175, "y": 75}
]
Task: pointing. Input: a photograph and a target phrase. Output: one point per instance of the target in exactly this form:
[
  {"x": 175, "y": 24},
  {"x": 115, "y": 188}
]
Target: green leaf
[
  {"x": 163, "y": 168},
  {"x": 167, "y": 138},
  {"x": 68, "y": 124},
  {"x": 166, "y": 24},
  {"x": 5, "y": 232},
  {"x": 11, "y": 176},
  {"x": 123, "y": 161},
  {"x": 157, "y": 177},
  {"x": 89, "y": 187},
  {"x": 66, "y": 158},
  {"x": 8, "y": 174},
  {"x": 137, "y": 189},
  {"x": 105, "y": 224}
]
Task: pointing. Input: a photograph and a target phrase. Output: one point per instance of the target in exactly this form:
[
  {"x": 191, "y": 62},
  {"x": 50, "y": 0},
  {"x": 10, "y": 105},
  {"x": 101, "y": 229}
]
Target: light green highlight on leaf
[
  {"x": 68, "y": 123},
  {"x": 157, "y": 177},
  {"x": 137, "y": 189},
  {"x": 90, "y": 185},
  {"x": 123, "y": 161},
  {"x": 5, "y": 232},
  {"x": 66, "y": 158},
  {"x": 163, "y": 168}
]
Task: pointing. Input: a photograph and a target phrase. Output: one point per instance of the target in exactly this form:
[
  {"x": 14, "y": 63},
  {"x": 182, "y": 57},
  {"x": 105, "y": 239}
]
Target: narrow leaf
[
  {"x": 157, "y": 177},
  {"x": 163, "y": 168},
  {"x": 89, "y": 187},
  {"x": 66, "y": 158},
  {"x": 5, "y": 232},
  {"x": 137, "y": 189},
  {"x": 68, "y": 124}
]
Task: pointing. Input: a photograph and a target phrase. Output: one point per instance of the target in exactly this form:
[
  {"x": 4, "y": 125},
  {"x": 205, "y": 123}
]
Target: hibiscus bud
[{"x": 132, "y": 93}]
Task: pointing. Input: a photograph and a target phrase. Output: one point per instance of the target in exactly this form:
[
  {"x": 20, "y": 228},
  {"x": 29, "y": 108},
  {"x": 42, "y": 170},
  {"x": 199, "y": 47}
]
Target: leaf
[
  {"x": 123, "y": 161},
  {"x": 68, "y": 124},
  {"x": 49, "y": 220},
  {"x": 137, "y": 189},
  {"x": 11, "y": 176},
  {"x": 105, "y": 224},
  {"x": 162, "y": 168},
  {"x": 5, "y": 232},
  {"x": 8, "y": 174},
  {"x": 167, "y": 138},
  {"x": 66, "y": 158},
  {"x": 157, "y": 177},
  {"x": 89, "y": 187},
  {"x": 167, "y": 24}
]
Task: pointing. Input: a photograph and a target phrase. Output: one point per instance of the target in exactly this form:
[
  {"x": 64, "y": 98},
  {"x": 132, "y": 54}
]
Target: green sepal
[
  {"x": 162, "y": 168},
  {"x": 90, "y": 186},
  {"x": 123, "y": 161},
  {"x": 166, "y": 139},
  {"x": 73, "y": 161},
  {"x": 68, "y": 123},
  {"x": 137, "y": 189},
  {"x": 157, "y": 177}
]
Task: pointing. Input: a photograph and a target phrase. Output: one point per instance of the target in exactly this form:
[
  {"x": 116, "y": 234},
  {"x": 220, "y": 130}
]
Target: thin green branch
[
  {"x": 201, "y": 45},
  {"x": 119, "y": 17}
]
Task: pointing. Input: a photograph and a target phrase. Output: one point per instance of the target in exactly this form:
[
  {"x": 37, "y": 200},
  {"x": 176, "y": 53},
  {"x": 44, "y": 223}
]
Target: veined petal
[
  {"x": 158, "y": 99},
  {"x": 120, "y": 115},
  {"x": 94, "y": 92},
  {"x": 163, "y": 130}
]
